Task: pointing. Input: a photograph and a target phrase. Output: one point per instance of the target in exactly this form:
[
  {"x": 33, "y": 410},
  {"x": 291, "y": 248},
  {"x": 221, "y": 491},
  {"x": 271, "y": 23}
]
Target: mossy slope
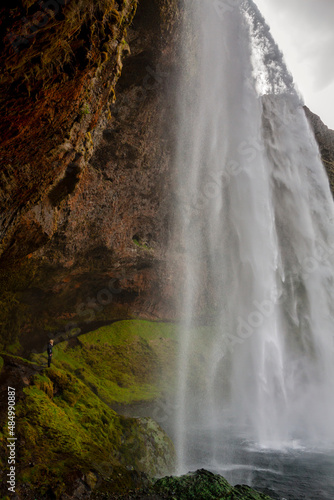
[
  {"x": 64, "y": 429},
  {"x": 123, "y": 363}
]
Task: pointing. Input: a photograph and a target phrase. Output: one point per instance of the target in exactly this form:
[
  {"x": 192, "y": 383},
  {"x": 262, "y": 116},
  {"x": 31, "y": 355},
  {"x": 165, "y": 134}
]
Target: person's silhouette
[{"x": 49, "y": 349}]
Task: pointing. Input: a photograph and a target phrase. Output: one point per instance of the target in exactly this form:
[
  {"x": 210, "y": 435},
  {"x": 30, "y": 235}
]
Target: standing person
[{"x": 49, "y": 349}]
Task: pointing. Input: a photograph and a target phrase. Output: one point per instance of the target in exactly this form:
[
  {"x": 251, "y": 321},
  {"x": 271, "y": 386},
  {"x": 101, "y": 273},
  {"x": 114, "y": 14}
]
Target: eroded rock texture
[
  {"x": 60, "y": 61},
  {"x": 85, "y": 199}
]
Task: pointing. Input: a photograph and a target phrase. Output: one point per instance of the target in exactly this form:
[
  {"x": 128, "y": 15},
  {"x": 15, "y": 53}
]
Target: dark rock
[
  {"x": 199, "y": 485},
  {"x": 203, "y": 485},
  {"x": 96, "y": 187},
  {"x": 49, "y": 75},
  {"x": 325, "y": 139}
]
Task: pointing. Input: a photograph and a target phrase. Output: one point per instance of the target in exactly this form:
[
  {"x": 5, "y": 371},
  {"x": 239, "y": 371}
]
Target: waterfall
[{"x": 255, "y": 229}]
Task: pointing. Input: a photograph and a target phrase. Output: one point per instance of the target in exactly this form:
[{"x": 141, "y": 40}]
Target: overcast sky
[{"x": 304, "y": 30}]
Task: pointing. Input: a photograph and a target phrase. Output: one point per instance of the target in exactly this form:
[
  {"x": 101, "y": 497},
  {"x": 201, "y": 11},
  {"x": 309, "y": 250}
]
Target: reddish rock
[{"x": 106, "y": 212}]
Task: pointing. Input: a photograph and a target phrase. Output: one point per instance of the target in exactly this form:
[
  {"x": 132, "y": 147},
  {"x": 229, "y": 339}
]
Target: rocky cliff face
[
  {"x": 116, "y": 223},
  {"x": 325, "y": 139},
  {"x": 85, "y": 165},
  {"x": 53, "y": 54}
]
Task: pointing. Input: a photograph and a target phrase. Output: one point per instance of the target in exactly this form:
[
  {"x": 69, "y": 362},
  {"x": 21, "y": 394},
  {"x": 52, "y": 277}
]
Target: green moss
[
  {"x": 131, "y": 361},
  {"x": 64, "y": 427},
  {"x": 1, "y": 363},
  {"x": 201, "y": 484},
  {"x": 19, "y": 360},
  {"x": 14, "y": 348},
  {"x": 125, "y": 362},
  {"x": 204, "y": 485},
  {"x": 143, "y": 246},
  {"x": 85, "y": 109},
  {"x": 44, "y": 384}
]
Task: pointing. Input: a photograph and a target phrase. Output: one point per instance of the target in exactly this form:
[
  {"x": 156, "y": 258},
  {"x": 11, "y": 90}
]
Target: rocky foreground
[{"x": 199, "y": 485}]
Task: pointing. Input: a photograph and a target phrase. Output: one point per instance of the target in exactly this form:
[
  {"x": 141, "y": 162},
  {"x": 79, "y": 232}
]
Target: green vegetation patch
[
  {"x": 205, "y": 485},
  {"x": 126, "y": 362},
  {"x": 64, "y": 427}
]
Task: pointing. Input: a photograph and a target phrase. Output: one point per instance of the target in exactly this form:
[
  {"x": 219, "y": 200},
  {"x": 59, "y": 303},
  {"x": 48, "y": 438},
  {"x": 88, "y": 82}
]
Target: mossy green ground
[
  {"x": 123, "y": 363},
  {"x": 63, "y": 427},
  {"x": 65, "y": 422}
]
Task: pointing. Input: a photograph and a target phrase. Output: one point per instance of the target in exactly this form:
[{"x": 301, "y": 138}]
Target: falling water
[{"x": 257, "y": 235}]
